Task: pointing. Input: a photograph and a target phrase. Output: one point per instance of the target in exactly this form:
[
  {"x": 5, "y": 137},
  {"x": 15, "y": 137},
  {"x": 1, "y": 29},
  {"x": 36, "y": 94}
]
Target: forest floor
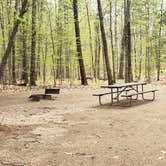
[{"x": 73, "y": 130}]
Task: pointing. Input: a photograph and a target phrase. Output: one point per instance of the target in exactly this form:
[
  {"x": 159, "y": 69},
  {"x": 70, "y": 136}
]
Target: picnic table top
[{"x": 121, "y": 85}]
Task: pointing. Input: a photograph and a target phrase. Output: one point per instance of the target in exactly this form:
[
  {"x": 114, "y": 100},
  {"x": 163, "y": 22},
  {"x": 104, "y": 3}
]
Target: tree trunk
[
  {"x": 147, "y": 58},
  {"x": 140, "y": 54},
  {"x": 13, "y": 48},
  {"x": 128, "y": 67},
  {"x": 104, "y": 41},
  {"x": 116, "y": 36},
  {"x": 135, "y": 54},
  {"x": 53, "y": 48},
  {"x": 159, "y": 43},
  {"x": 112, "y": 45},
  {"x": 33, "y": 46},
  {"x": 78, "y": 43},
  {"x": 97, "y": 51},
  {"x": 90, "y": 40},
  {"x": 24, "y": 76},
  {"x": 2, "y": 23},
  {"x": 45, "y": 60},
  {"x": 11, "y": 39},
  {"x": 122, "y": 56}
]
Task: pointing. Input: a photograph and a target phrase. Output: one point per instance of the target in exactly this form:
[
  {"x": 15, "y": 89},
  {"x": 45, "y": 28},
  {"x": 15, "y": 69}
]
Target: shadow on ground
[{"x": 123, "y": 104}]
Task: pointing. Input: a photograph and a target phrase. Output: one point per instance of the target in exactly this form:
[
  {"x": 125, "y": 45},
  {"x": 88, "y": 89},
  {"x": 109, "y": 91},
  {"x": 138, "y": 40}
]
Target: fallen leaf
[
  {"x": 164, "y": 152},
  {"x": 160, "y": 158},
  {"x": 68, "y": 153}
]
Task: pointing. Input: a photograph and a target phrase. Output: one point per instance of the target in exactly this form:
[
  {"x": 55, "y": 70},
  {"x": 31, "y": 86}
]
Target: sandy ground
[{"x": 73, "y": 130}]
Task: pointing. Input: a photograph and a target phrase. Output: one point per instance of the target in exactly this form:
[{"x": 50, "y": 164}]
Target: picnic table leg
[
  {"x": 137, "y": 92},
  {"x": 153, "y": 95},
  {"x": 130, "y": 101},
  {"x": 144, "y": 97},
  {"x": 117, "y": 96},
  {"x": 112, "y": 97},
  {"x": 142, "y": 91},
  {"x": 100, "y": 100},
  {"x": 150, "y": 99}
]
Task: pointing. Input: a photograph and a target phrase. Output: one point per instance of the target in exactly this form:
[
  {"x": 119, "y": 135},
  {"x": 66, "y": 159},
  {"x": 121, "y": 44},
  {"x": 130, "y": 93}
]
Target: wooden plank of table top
[{"x": 121, "y": 85}]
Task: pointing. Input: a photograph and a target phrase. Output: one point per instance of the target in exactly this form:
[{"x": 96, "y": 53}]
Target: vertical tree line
[
  {"x": 78, "y": 44},
  {"x": 73, "y": 41}
]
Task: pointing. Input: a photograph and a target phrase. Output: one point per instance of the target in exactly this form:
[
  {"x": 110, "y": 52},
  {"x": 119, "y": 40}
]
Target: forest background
[{"x": 63, "y": 41}]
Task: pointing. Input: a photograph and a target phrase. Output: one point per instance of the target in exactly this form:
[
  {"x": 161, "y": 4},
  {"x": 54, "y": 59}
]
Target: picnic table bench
[
  {"x": 120, "y": 89},
  {"x": 106, "y": 93}
]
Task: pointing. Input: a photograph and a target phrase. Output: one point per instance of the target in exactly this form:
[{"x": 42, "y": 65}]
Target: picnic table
[{"x": 126, "y": 90}]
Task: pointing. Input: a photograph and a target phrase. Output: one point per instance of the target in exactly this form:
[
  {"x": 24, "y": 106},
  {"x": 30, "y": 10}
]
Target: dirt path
[{"x": 73, "y": 130}]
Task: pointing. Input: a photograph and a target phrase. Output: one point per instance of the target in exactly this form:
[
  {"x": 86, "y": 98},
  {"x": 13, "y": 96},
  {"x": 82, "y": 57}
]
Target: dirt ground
[{"x": 73, "y": 130}]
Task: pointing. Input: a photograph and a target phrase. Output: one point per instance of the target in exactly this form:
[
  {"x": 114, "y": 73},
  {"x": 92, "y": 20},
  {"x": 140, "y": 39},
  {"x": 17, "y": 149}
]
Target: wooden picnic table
[
  {"x": 118, "y": 90},
  {"x": 122, "y": 85}
]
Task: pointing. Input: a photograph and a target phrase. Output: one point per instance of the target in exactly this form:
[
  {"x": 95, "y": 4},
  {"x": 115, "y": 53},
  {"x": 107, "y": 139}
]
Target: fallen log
[{"x": 38, "y": 97}]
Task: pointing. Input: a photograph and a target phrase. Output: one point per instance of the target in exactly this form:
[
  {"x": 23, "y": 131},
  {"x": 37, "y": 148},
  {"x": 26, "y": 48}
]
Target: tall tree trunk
[
  {"x": 122, "y": 56},
  {"x": 116, "y": 36},
  {"x": 11, "y": 39},
  {"x": 97, "y": 51},
  {"x": 104, "y": 41},
  {"x": 90, "y": 39},
  {"x": 53, "y": 48},
  {"x": 13, "y": 64},
  {"x": 8, "y": 73},
  {"x": 67, "y": 45},
  {"x": 128, "y": 67},
  {"x": 147, "y": 58},
  {"x": 122, "y": 53},
  {"x": 40, "y": 41},
  {"x": 60, "y": 27},
  {"x": 112, "y": 45},
  {"x": 44, "y": 60},
  {"x": 13, "y": 48},
  {"x": 140, "y": 54},
  {"x": 33, "y": 46},
  {"x": 2, "y": 23},
  {"x": 159, "y": 43},
  {"x": 78, "y": 43},
  {"x": 24, "y": 76},
  {"x": 135, "y": 54}
]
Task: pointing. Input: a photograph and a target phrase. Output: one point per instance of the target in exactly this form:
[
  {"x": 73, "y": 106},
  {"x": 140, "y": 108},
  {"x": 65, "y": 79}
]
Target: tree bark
[
  {"x": 116, "y": 50},
  {"x": 90, "y": 39},
  {"x": 104, "y": 42},
  {"x": 159, "y": 43},
  {"x": 33, "y": 46},
  {"x": 53, "y": 48},
  {"x": 24, "y": 76},
  {"x": 45, "y": 60},
  {"x": 122, "y": 53},
  {"x": 97, "y": 51},
  {"x": 11, "y": 39},
  {"x": 112, "y": 45},
  {"x": 13, "y": 48},
  {"x": 78, "y": 44},
  {"x": 122, "y": 56},
  {"x": 147, "y": 57},
  {"x": 128, "y": 67},
  {"x": 2, "y": 23},
  {"x": 140, "y": 54}
]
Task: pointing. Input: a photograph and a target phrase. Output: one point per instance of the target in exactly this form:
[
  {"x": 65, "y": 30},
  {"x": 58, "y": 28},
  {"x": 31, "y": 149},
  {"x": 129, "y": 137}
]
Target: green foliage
[{"x": 58, "y": 15}]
